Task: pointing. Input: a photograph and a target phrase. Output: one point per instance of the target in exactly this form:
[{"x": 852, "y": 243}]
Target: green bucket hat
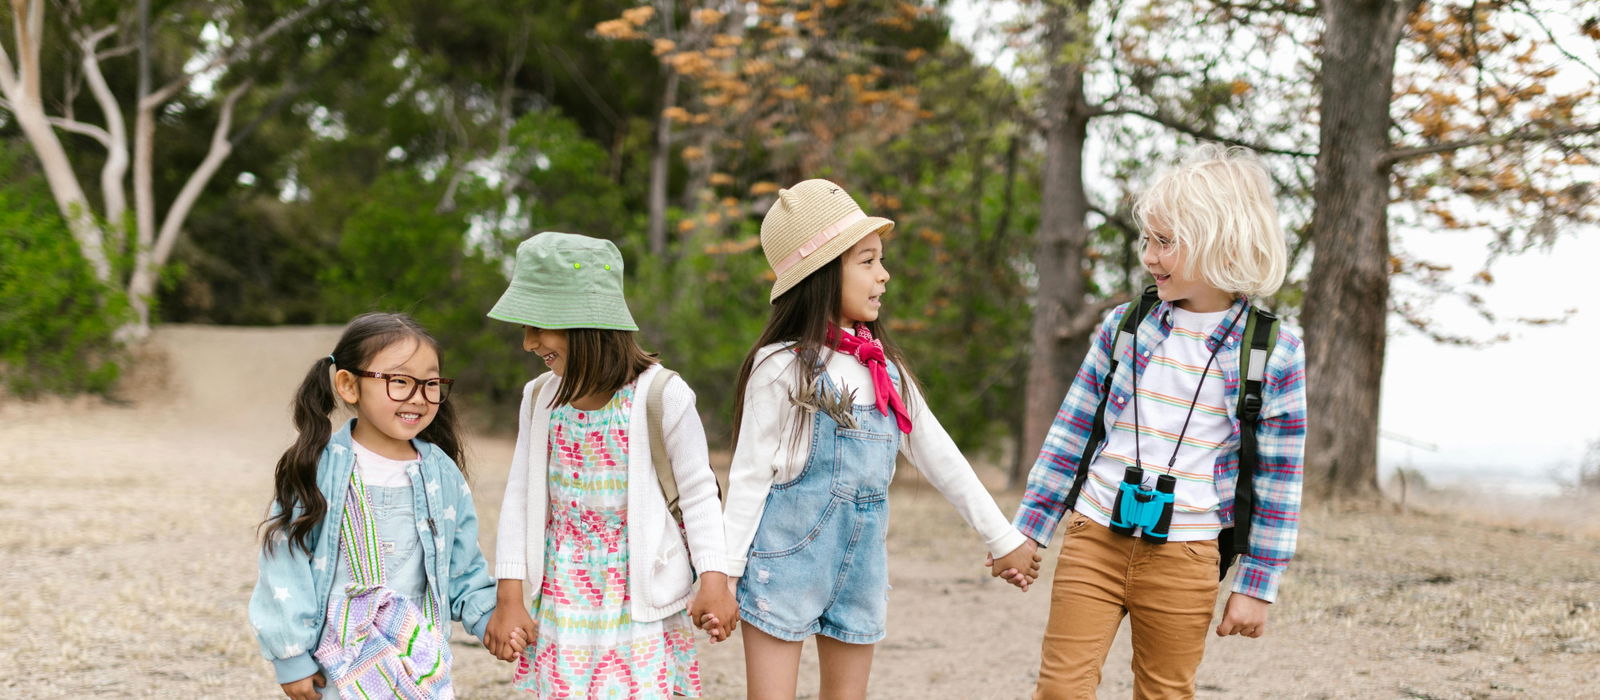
[{"x": 564, "y": 280}]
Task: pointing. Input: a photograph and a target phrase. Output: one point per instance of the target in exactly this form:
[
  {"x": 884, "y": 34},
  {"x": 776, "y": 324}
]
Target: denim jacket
[{"x": 292, "y": 590}]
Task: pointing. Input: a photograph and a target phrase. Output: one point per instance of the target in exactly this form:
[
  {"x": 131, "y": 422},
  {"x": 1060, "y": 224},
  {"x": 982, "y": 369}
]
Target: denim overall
[{"x": 819, "y": 564}]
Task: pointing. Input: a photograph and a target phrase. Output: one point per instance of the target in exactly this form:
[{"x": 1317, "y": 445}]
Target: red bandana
[{"x": 869, "y": 352}]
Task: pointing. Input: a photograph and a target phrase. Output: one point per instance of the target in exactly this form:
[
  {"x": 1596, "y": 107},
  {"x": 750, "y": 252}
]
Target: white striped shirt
[{"x": 1165, "y": 390}]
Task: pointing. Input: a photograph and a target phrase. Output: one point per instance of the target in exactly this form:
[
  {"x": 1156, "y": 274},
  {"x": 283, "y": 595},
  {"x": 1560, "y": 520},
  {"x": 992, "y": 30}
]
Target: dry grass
[{"x": 128, "y": 536}]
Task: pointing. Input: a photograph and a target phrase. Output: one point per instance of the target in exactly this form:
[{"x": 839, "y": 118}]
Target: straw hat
[
  {"x": 564, "y": 280},
  {"x": 811, "y": 224}
]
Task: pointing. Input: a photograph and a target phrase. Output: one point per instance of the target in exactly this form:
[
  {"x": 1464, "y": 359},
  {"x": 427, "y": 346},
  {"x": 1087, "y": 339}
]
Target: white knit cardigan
[{"x": 659, "y": 576}]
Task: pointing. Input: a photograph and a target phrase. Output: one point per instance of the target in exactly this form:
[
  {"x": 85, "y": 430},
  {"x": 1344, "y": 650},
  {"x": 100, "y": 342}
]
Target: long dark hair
[
  {"x": 600, "y": 361},
  {"x": 801, "y": 316},
  {"x": 301, "y": 504}
]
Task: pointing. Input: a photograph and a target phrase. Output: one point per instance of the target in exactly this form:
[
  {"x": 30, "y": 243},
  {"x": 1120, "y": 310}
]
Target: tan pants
[{"x": 1168, "y": 591}]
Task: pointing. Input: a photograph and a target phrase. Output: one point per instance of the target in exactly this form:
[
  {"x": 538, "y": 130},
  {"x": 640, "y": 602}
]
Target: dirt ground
[{"x": 127, "y": 535}]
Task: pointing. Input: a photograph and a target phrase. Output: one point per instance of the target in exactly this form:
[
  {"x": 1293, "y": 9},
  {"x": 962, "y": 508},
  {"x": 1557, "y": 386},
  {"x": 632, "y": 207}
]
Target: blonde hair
[{"x": 1217, "y": 205}]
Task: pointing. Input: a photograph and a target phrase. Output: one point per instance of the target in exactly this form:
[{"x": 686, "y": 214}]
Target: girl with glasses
[{"x": 371, "y": 548}]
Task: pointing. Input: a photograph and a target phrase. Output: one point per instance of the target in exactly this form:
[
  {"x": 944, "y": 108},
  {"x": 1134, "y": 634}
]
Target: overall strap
[
  {"x": 1097, "y": 432},
  {"x": 1261, "y": 335}
]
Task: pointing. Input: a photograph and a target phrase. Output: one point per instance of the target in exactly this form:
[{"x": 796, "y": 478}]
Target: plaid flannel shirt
[{"x": 1280, "y": 443}]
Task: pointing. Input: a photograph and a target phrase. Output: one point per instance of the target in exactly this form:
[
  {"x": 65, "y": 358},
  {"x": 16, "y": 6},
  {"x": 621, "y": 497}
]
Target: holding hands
[
  {"x": 714, "y": 608},
  {"x": 510, "y": 629},
  {"x": 509, "y": 632},
  {"x": 1019, "y": 568}
]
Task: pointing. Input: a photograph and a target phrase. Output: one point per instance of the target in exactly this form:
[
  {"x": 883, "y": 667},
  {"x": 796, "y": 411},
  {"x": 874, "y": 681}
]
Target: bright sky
[
  {"x": 1521, "y": 408},
  {"x": 1514, "y": 416}
]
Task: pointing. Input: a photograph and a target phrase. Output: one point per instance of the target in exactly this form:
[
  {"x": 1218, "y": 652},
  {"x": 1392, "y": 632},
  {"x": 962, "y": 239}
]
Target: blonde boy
[{"x": 1213, "y": 245}]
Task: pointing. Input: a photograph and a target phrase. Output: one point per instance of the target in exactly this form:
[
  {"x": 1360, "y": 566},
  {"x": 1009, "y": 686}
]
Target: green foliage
[
  {"x": 396, "y": 156},
  {"x": 701, "y": 309},
  {"x": 561, "y": 180},
  {"x": 398, "y": 253},
  {"x": 401, "y": 250},
  {"x": 56, "y": 319},
  {"x": 964, "y": 194}
]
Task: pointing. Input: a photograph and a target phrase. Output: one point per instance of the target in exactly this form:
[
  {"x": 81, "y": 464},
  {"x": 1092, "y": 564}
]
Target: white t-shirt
[
  {"x": 378, "y": 470},
  {"x": 1165, "y": 391}
]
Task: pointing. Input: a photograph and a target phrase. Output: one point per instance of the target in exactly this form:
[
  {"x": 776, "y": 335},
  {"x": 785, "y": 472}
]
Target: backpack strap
[
  {"x": 539, "y": 384},
  {"x": 1260, "y": 338},
  {"x": 658, "y": 441},
  {"x": 1097, "y": 433}
]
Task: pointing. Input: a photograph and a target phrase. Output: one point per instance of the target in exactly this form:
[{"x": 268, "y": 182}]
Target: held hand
[
  {"x": 308, "y": 688},
  {"x": 521, "y": 639},
  {"x": 1244, "y": 615},
  {"x": 510, "y": 631},
  {"x": 1011, "y": 576},
  {"x": 714, "y": 608},
  {"x": 1020, "y": 567}
]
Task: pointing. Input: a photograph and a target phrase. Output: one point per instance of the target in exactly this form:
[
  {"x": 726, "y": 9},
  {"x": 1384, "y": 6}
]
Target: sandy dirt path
[{"x": 127, "y": 532}]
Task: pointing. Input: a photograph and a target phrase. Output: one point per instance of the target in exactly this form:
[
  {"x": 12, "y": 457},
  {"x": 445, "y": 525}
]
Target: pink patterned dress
[{"x": 589, "y": 645}]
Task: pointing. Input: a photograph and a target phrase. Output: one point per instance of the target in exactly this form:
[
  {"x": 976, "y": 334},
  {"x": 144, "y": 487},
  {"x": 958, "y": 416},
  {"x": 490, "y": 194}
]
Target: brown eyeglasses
[{"x": 402, "y": 387}]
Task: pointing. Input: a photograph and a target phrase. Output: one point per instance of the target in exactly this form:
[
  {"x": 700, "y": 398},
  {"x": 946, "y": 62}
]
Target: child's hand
[
  {"x": 714, "y": 608},
  {"x": 308, "y": 688},
  {"x": 1019, "y": 568},
  {"x": 521, "y": 639},
  {"x": 510, "y": 631},
  {"x": 1244, "y": 615}
]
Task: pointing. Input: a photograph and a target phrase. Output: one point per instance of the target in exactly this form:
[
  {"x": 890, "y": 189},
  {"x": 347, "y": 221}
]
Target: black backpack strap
[
  {"x": 1260, "y": 337},
  {"x": 1097, "y": 432}
]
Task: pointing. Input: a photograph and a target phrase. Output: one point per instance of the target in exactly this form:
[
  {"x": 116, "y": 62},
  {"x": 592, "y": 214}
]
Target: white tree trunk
[
  {"x": 115, "y": 171},
  {"x": 20, "y": 84},
  {"x": 144, "y": 217},
  {"x": 148, "y": 265},
  {"x": 151, "y": 247}
]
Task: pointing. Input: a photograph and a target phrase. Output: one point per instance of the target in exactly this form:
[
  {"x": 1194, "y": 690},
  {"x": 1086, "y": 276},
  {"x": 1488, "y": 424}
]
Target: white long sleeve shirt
[{"x": 773, "y": 449}]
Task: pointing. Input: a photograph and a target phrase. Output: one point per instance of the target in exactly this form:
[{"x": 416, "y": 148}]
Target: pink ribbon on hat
[
  {"x": 869, "y": 351},
  {"x": 816, "y": 241}
]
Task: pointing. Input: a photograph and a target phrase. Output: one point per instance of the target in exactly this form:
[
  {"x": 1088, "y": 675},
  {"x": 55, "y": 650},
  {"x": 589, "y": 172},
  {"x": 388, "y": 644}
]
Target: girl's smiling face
[
  {"x": 863, "y": 280},
  {"x": 549, "y": 344},
  {"x": 384, "y": 425}
]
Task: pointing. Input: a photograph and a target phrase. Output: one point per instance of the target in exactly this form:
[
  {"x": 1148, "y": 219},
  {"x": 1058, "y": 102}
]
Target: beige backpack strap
[
  {"x": 658, "y": 441},
  {"x": 539, "y": 384}
]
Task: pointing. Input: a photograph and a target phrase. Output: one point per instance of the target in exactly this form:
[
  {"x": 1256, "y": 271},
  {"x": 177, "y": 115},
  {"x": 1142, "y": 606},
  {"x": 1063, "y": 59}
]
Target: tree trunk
[
  {"x": 1062, "y": 235},
  {"x": 657, "y": 231},
  {"x": 151, "y": 259},
  {"x": 64, "y": 185},
  {"x": 22, "y": 88},
  {"x": 1347, "y": 296},
  {"x": 115, "y": 170}
]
